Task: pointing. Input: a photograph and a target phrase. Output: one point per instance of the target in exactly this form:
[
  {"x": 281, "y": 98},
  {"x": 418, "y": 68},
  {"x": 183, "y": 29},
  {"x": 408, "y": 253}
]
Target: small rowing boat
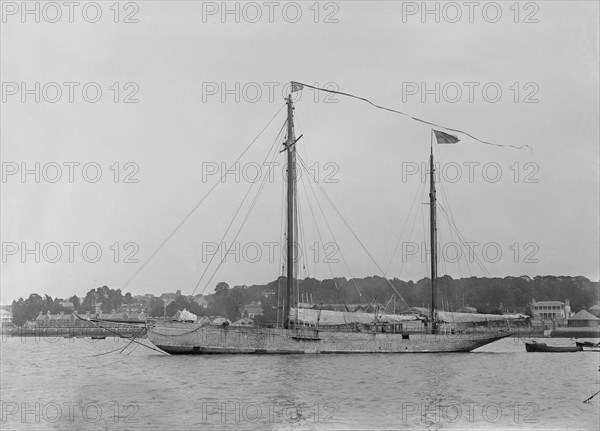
[{"x": 534, "y": 346}]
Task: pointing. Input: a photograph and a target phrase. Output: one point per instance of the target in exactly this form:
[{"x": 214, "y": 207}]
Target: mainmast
[
  {"x": 291, "y": 209},
  {"x": 433, "y": 232}
]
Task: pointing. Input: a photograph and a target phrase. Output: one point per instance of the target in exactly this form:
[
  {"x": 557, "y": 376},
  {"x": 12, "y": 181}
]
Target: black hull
[
  {"x": 587, "y": 344},
  {"x": 543, "y": 347}
]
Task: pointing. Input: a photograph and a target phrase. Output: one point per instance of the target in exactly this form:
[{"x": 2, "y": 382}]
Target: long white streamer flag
[{"x": 299, "y": 85}]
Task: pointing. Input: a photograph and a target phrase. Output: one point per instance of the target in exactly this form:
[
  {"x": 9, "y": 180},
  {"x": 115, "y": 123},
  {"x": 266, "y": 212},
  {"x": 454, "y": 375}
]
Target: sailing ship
[{"x": 324, "y": 331}]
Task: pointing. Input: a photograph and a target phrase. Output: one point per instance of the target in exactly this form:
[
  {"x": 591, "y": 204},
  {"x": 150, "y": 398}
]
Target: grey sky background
[{"x": 171, "y": 54}]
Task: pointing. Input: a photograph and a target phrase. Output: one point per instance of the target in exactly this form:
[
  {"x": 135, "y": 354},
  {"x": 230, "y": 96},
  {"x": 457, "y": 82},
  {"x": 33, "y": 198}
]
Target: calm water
[{"x": 62, "y": 385}]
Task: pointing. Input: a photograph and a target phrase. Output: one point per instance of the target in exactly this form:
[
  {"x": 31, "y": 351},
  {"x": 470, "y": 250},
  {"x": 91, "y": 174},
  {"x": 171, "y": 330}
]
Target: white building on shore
[
  {"x": 551, "y": 312},
  {"x": 6, "y": 317}
]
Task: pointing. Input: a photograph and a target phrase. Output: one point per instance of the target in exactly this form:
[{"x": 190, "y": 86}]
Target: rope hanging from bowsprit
[{"x": 299, "y": 85}]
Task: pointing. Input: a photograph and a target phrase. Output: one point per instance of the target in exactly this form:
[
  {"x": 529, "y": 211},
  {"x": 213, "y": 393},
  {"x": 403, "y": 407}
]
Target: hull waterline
[{"x": 189, "y": 338}]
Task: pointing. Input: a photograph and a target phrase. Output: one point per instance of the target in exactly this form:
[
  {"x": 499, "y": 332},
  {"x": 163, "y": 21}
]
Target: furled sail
[
  {"x": 311, "y": 316},
  {"x": 450, "y": 317}
]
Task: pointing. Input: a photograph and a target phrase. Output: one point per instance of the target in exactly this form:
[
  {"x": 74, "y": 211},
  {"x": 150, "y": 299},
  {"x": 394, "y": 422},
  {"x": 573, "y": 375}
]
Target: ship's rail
[
  {"x": 399, "y": 328},
  {"x": 48, "y": 332}
]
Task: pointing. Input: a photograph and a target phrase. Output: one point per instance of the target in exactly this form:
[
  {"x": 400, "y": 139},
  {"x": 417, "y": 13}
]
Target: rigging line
[
  {"x": 451, "y": 215},
  {"x": 313, "y": 237},
  {"x": 133, "y": 350},
  {"x": 440, "y": 242},
  {"x": 313, "y": 179},
  {"x": 387, "y": 305},
  {"x": 296, "y": 237},
  {"x": 304, "y": 148},
  {"x": 587, "y": 400},
  {"x": 304, "y": 234},
  {"x": 443, "y": 188},
  {"x": 116, "y": 333},
  {"x": 439, "y": 232},
  {"x": 452, "y": 238},
  {"x": 134, "y": 336},
  {"x": 414, "y": 118},
  {"x": 317, "y": 227},
  {"x": 403, "y": 228},
  {"x": 281, "y": 231},
  {"x": 440, "y": 237},
  {"x": 298, "y": 230},
  {"x": 212, "y": 258},
  {"x": 303, "y": 238},
  {"x": 463, "y": 239},
  {"x": 355, "y": 236},
  {"x": 446, "y": 200},
  {"x": 330, "y": 231},
  {"x": 332, "y": 234},
  {"x": 195, "y": 207},
  {"x": 196, "y": 329},
  {"x": 106, "y": 353},
  {"x": 463, "y": 242},
  {"x": 414, "y": 222},
  {"x": 243, "y": 223},
  {"x": 424, "y": 226},
  {"x": 321, "y": 240}
]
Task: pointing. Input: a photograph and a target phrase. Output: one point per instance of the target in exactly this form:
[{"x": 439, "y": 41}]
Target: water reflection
[{"x": 501, "y": 386}]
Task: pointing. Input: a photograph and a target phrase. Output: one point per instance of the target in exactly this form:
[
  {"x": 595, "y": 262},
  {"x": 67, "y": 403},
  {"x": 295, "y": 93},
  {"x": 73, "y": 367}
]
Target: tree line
[
  {"x": 28, "y": 309},
  {"x": 487, "y": 295}
]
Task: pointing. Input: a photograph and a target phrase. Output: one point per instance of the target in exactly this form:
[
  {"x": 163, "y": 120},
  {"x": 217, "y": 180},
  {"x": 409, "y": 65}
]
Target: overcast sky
[{"x": 533, "y": 76}]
